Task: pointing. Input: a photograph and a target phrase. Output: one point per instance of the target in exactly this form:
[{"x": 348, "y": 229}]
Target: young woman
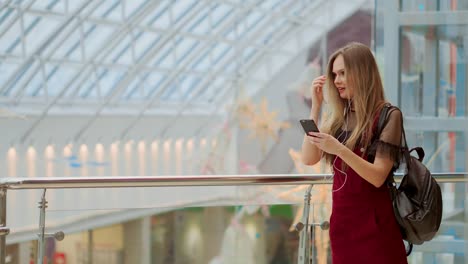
[{"x": 363, "y": 228}]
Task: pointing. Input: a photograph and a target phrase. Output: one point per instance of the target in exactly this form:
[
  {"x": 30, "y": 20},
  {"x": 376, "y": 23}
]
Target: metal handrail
[{"x": 179, "y": 181}]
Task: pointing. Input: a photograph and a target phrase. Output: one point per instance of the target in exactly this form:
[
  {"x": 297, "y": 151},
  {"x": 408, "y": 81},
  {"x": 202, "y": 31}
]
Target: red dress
[{"x": 363, "y": 228}]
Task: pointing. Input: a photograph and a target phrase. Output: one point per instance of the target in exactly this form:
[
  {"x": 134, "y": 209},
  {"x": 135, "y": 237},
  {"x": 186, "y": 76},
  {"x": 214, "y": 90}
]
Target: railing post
[
  {"x": 303, "y": 256},
  {"x": 41, "y": 235},
  {"x": 90, "y": 247},
  {"x": 3, "y": 229}
]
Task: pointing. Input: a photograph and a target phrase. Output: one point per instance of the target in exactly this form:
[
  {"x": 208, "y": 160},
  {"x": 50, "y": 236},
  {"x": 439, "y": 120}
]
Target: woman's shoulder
[
  {"x": 390, "y": 107},
  {"x": 391, "y": 112},
  {"x": 395, "y": 115}
]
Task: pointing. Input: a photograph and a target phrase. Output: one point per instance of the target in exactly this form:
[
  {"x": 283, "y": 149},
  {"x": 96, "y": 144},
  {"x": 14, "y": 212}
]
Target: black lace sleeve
[{"x": 388, "y": 145}]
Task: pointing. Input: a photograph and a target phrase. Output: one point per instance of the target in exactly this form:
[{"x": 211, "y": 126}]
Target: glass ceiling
[{"x": 140, "y": 54}]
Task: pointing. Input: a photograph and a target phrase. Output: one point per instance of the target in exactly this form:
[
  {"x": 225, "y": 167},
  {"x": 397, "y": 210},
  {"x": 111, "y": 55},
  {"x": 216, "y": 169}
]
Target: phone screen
[{"x": 309, "y": 125}]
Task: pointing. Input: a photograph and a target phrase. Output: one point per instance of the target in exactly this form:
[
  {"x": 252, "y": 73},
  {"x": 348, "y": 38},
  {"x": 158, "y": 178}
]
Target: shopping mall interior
[{"x": 139, "y": 131}]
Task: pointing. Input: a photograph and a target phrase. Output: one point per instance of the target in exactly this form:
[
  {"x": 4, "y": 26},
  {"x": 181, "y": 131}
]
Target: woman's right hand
[{"x": 316, "y": 92}]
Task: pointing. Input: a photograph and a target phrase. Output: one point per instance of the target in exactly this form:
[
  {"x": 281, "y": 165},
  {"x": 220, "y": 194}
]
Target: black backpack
[{"x": 417, "y": 201}]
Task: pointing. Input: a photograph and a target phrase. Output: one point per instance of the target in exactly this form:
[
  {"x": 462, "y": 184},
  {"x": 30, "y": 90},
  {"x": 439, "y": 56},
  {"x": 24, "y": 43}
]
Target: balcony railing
[{"x": 10, "y": 184}]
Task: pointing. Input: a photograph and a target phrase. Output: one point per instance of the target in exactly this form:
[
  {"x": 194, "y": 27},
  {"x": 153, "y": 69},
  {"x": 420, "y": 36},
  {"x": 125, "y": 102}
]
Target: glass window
[
  {"x": 432, "y": 5},
  {"x": 433, "y": 71},
  {"x": 132, "y": 7},
  {"x": 96, "y": 38},
  {"x": 50, "y": 5},
  {"x": 143, "y": 42},
  {"x": 109, "y": 9}
]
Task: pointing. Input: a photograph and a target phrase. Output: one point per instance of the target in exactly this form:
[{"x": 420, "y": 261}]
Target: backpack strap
[{"x": 405, "y": 150}]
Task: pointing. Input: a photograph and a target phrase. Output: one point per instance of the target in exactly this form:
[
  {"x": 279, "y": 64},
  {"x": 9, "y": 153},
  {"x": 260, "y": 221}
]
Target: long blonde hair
[{"x": 362, "y": 74}]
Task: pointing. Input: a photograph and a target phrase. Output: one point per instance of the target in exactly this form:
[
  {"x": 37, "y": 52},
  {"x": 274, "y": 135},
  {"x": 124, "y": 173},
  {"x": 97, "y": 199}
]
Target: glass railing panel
[
  {"x": 238, "y": 223},
  {"x": 247, "y": 224},
  {"x": 218, "y": 234},
  {"x": 23, "y": 204}
]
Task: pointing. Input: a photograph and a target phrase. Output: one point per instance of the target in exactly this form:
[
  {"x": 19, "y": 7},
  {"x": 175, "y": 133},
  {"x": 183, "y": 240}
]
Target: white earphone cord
[{"x": 333, "y": 163}]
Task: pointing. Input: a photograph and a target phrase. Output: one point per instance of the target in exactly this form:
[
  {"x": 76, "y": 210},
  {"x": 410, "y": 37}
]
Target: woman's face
[{"x": 340, "y": 78}]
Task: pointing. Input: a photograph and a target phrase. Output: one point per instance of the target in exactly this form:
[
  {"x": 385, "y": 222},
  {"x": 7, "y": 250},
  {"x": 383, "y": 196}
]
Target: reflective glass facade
[{"x": 422, "y": 50}]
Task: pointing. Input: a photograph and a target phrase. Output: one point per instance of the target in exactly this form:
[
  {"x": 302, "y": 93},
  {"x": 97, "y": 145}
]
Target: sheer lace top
[{"x": 388, "y": 144}]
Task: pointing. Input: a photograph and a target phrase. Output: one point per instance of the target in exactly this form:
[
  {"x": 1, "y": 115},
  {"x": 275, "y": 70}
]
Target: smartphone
[{"x": 309, "y": 126}]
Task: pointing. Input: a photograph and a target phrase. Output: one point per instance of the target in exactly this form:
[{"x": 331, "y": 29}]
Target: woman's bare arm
[
  {"x": 310, "y": 153},
  {"x": 375, "y": 173}
]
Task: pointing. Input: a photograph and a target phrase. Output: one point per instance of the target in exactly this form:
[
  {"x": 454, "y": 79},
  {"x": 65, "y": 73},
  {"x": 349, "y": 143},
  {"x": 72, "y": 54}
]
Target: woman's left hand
[{"x": 325, "y": 142}]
